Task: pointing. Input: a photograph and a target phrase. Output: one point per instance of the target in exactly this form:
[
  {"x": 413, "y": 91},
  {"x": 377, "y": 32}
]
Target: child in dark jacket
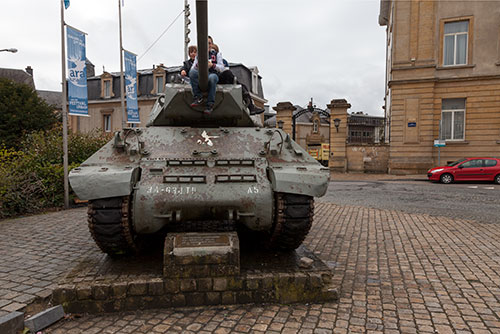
[{"x": 186, "y": 67}]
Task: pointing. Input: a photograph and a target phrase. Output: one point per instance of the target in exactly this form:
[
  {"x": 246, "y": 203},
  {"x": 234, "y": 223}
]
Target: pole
[
  {"x": 64, "y": 111},
  {"x": 122, "y": 92},
  {"x": 387, "y": 133},
  {"x": 186, "y": 18},
  {"x": 439, "y": 147}
]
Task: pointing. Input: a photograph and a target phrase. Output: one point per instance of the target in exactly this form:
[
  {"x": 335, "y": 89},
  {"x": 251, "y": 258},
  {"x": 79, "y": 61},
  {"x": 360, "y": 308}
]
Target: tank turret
[
  {"x": 186, "y": 168},
  {"x": 173, "y": 107}
]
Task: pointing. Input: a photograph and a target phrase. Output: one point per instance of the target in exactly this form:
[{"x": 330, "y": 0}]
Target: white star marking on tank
[{"x": 207, "y": 139}]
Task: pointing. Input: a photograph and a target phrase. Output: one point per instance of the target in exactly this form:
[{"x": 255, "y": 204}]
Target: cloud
[{"x": 303, "y": 49}]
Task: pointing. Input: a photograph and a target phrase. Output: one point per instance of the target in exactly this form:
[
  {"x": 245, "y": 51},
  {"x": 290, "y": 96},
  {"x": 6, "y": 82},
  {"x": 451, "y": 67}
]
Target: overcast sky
[{"x": 324, "y": 49}]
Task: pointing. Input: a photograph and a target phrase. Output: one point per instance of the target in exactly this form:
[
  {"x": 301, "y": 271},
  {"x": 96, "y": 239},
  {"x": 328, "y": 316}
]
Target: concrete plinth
[{"x": 102, "y": 284}]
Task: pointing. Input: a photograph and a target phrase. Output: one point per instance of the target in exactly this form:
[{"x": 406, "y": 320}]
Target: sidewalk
[
  {"x": 396, "y": 273},
  {"x": 352, "y": 176}
]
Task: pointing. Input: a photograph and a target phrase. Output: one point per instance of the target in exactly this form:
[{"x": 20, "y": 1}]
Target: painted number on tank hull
[
  {"x": 253, "y": 190},
  {"x": 171, "y": 190}
]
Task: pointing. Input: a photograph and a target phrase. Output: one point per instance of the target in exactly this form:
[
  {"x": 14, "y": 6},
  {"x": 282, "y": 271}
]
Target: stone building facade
[
  {"x": 442, "y": 81},
  {"x": 312, "y": 125},
  {"x": 332, "y": 128}
]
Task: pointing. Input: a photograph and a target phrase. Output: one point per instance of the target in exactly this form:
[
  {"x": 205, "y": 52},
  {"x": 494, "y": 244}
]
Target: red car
[{"x": 469, "y": 169}]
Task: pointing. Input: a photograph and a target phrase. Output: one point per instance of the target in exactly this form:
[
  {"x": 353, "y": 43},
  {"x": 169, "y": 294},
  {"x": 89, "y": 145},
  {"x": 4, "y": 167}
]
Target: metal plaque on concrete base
[{"x": 196, "y": 254}]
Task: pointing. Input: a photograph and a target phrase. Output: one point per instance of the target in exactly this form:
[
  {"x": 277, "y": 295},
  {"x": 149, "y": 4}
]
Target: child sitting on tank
[
  {"x": 186, "y": 66},
  {"x": 215, "y": 66}
]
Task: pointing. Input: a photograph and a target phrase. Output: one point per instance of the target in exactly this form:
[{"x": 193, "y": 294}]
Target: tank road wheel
[
  {"x": 293, "y": 220},
  {"x": 110, "y": 226}
]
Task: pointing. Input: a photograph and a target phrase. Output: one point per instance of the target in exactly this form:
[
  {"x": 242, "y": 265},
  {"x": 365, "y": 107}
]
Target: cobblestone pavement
[
  {"x": 35, "y": 251},
  {"x": 396, "y": 272}
]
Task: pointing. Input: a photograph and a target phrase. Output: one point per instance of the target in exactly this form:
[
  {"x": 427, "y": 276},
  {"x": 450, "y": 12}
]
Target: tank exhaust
[{"x": 202, "y": 35}]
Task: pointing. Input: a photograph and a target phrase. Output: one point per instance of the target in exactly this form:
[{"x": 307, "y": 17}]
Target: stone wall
[{"x": 367, "y": 158}]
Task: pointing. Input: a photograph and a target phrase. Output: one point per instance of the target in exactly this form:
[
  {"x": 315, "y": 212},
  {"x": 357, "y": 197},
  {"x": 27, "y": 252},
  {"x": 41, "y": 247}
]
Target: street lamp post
[{"x": 9, "y": 50}]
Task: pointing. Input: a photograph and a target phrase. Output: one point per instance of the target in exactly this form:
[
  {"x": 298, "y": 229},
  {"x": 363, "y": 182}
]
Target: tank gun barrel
[
  {"x": 173, "y": 107},
  {"x": 202, "y": 35}
]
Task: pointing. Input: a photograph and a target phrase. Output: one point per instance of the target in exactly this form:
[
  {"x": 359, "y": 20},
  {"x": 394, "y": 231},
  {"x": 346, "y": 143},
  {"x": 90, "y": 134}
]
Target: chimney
[
  {"x": 29, "y": 70},
  {"x": 90, "y": 68}
]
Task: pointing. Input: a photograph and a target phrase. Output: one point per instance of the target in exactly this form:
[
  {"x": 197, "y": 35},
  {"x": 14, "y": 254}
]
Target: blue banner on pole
[
  {"x": 77, "y": 74},
  {"x": 131, "y": 87}
]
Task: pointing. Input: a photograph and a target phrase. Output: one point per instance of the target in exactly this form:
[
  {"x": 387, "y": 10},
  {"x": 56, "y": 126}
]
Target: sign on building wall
[
  {"x": 77, "y": 74},
  {"x": 131, "y": 87},
  {"x": 439, "y": 143}
]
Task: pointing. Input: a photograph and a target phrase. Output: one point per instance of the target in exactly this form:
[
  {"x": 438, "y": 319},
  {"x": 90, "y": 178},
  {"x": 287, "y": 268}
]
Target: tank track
[
  {"x": 293, "y": 220},
  {"x": 110, "y": 226}
]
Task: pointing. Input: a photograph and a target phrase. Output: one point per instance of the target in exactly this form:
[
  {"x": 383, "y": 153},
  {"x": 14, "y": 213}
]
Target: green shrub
[
  {"x": 32, "y": 177},
  {"x": 22, "y": 111},
  {"x": 17, "y": 188}
]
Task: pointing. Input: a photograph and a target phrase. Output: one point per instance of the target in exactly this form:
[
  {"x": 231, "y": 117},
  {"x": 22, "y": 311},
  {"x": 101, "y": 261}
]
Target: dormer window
[
  {"x": 107, "y": 89},
  {"x": 159, "y": 79},
  {"x": 255, "y": 83},
  {"x": 160, "y": 86},
  {"x": 255, "y": 79},
  {"x": 106, "y": 86}
]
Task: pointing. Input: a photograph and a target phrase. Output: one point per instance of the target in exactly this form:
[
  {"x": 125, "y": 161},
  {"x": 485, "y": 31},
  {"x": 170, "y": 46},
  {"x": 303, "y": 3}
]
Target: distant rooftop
[
  {"x": 51, "y": 97},
  {"x": 19, "y": 76}
]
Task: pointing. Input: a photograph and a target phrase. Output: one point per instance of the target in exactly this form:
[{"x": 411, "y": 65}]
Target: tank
[{"x": 188, "y": 169}]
